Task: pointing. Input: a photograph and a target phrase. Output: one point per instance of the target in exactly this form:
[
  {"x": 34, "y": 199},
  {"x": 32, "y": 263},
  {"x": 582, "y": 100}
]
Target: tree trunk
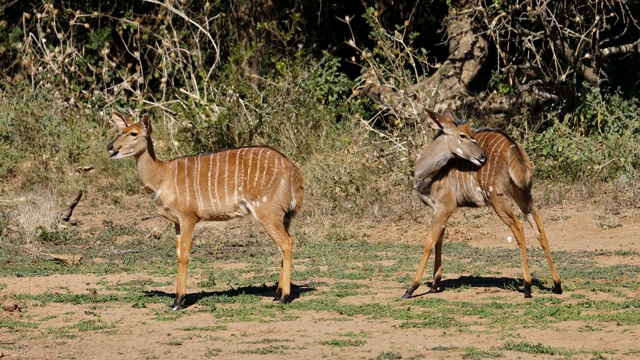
[{"x": 448, "y": 87}]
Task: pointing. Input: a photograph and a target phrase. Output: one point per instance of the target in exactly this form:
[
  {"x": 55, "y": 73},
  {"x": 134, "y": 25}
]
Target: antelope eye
[
  {"x": 134, "y": 134},
  {"x": 463, "y": 136}
]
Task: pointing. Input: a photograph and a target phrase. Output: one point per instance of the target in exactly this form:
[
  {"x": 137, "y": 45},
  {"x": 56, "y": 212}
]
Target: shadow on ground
[
  {"x": 262, "y": 290},
  {"x": 504, "y": 283}
]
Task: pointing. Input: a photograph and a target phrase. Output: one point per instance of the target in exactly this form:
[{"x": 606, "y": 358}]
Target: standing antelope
[
  {"x": 218, "y": 186},
  {"x": 459, "y": 168}
]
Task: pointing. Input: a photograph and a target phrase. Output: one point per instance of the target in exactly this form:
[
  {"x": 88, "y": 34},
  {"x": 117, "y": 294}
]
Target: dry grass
[{"x": 39, "y": 210}]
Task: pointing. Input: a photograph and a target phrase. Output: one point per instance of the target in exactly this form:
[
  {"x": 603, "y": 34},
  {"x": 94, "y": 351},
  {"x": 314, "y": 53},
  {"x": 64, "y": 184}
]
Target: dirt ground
[{"x": 138, "y": 336}]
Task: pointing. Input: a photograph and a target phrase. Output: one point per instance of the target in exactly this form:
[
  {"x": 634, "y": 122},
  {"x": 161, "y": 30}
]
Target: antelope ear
[
  {"x": 450, "y": 116},
  {"x": 119, "y": 120},
  {"x": 147, "y": 124},
  {"x": 434, "y": 120}
]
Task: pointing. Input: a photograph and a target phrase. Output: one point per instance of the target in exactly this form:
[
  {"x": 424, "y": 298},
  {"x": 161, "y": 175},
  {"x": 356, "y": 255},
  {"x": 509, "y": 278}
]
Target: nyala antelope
[
  {"x": 461, "y": 168},
  {"x": 216, "y": 187}
]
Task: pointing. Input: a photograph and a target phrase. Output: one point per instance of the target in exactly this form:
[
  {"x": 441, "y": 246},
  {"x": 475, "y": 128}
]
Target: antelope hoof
[
  {"x": 557, "y": 288},
  {"x": 178, "y": 303},
  {"x": 409, "y": 293},
  {"x": 527, "y": 291}
]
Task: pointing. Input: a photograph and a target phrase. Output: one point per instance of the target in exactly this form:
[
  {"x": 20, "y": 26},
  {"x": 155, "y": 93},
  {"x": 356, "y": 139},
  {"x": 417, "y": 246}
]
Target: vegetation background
[
  {"x": 339, "y": 87},
  {"x": 346, "y": 79}
]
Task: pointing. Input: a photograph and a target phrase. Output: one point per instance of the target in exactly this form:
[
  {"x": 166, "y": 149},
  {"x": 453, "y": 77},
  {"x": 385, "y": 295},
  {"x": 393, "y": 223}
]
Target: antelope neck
[
  {"x": 149, "y": 168},
  {"x": 434, "y": 157}
]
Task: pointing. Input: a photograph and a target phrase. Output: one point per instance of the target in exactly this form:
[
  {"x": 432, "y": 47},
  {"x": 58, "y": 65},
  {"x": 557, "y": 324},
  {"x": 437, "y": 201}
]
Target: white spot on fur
[
  {"x": 479, "y": 189},
  {"x": 178, "y": 251},
  {"x": 264, "y": 199},
  {"x": 490, "y": 188},
  {"x": 156, "y": 195},
  {"x": 459, "y": 151},
  {"x": 509, "y": 239}
]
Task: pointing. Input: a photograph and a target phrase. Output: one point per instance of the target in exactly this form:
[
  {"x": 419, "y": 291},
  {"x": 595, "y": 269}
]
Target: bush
[
  {"x": 296, "y": 110},
  {"x": 41, "y": 134},
  {"x": 596, "y": 143}
]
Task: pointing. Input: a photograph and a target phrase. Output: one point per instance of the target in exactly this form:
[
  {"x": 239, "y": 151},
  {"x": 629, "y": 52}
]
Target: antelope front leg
[
  {"x": 184, "y": 241},
  {"x": 436, "y": 232}
]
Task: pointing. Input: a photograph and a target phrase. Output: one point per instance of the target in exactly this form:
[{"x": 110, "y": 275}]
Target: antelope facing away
[
  {"x": 461, "y": 168},
  {"x": 216, "y": 186}
]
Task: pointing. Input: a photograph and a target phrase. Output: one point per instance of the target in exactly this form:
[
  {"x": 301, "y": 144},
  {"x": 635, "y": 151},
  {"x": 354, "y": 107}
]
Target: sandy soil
[{"x": 137, "y": 335}]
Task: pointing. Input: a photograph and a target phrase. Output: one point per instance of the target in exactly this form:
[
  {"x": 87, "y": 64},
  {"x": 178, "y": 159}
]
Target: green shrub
[
  {"x": 596, "y": 143},
  {"x": 296, "y": 110},
  {"x": 41, "y": 134}
]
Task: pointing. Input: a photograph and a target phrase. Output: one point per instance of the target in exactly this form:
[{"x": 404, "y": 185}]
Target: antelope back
[
  {"x": 506, "y": 166},
  {"x": 235, "y": 182}
]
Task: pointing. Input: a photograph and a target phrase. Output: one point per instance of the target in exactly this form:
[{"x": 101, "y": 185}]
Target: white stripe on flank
[
  {"x": 274, "y": 173},
  {"x": 175, "y": 180},
  {"x": 264, "y": 173},
  {"x": 240, "y": 183},
  {"x": 495, "y": 165},
  {"x": 209, "y": 181},
  {"x": 249, "y": 167},
  {"x": 235, "y": 178},
  {"x": 489, "y": 151},
  {"x": 255, "y": 180},
  {"x": 485, "y": 143},
  {"x": 216, "y": 178},
  {"x": 186, "y": 178},
  {"x": 197, "y": 185},
  {"x": 492, "y": 157},
  {"x": 226, "y": 178}
]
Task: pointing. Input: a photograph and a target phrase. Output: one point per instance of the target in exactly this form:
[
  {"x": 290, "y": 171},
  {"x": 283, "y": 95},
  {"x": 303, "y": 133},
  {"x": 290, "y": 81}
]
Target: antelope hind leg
[
  {"x": 508, "y": 217},
  {"x": 437, "y": 265},
  {"x": 533, "y": 218},
  {"x": 277, "y": 231}
]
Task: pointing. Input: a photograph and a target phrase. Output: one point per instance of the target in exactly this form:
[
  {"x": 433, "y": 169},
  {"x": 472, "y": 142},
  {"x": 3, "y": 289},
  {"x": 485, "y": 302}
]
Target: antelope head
[
  {"x": 132, "y": 139},
  {"x": 457, "y": 136}
]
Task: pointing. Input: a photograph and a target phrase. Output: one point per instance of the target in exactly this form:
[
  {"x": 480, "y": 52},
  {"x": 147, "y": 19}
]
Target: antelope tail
[
  {"x": 297, "y": 191},
  {"x": 520, "y": 168}
]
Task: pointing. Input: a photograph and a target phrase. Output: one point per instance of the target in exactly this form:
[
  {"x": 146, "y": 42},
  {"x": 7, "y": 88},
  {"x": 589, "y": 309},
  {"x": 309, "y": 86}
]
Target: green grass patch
[
  {"x": 472, "y": 353},
  {"x": 343, "y": 342},
  {"x": 529, "y": 348},
  {"x": 267, "y": 350}
]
